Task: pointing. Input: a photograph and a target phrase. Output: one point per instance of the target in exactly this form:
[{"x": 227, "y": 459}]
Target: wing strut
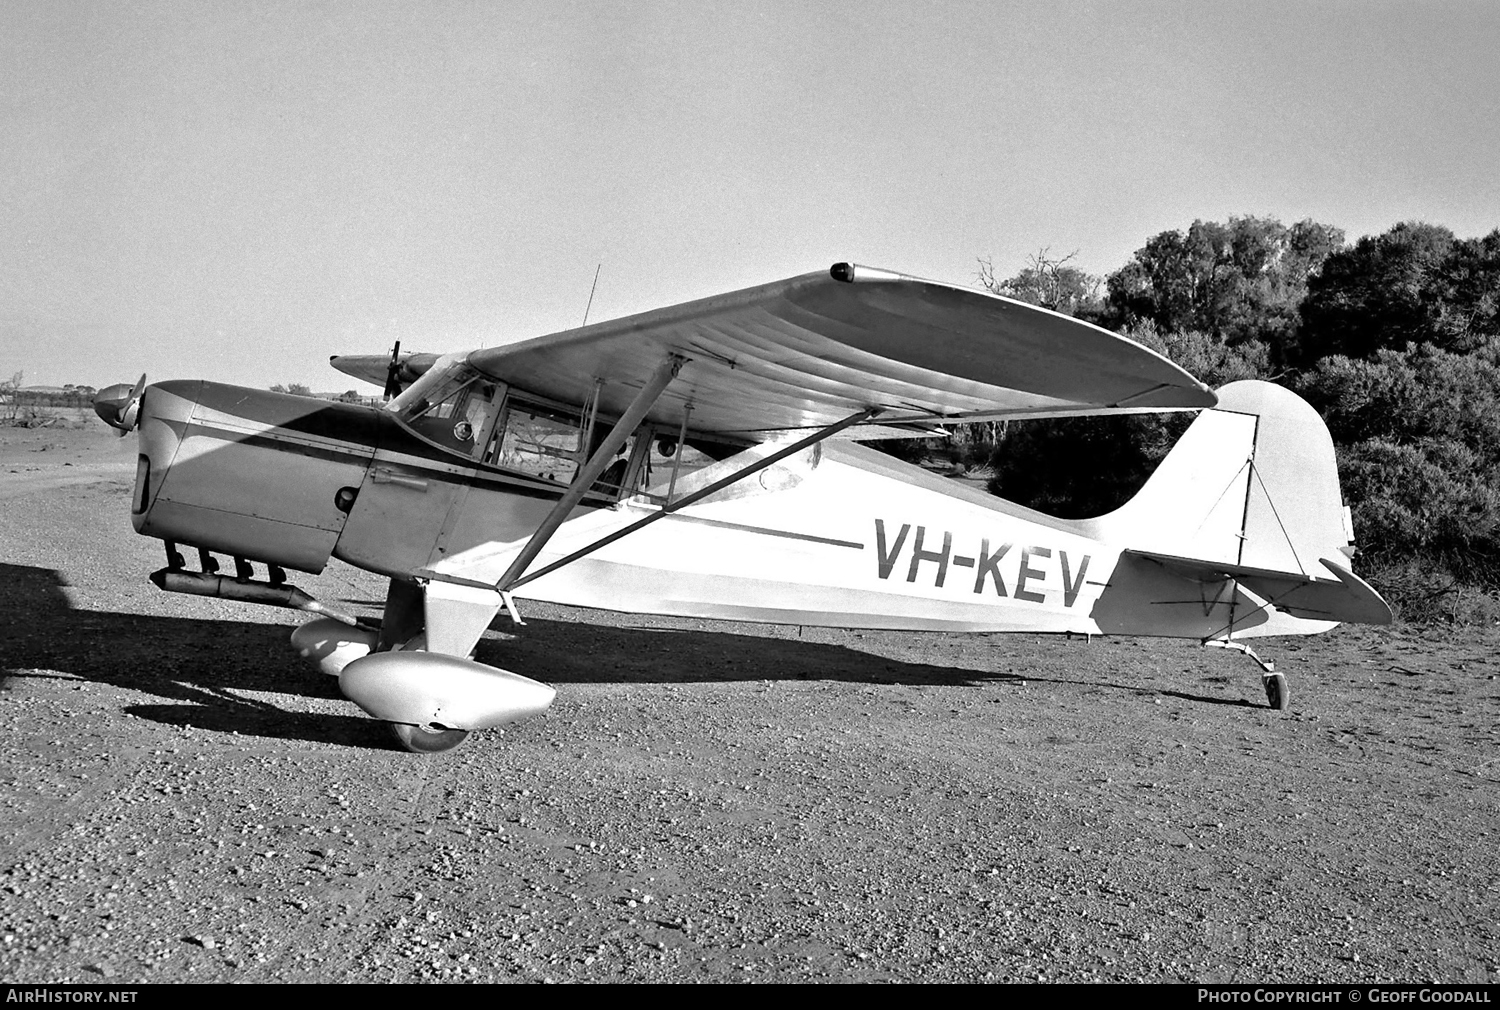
[
  {"x": 688, "y": 499},
  {"x": 590, "y": 471}
]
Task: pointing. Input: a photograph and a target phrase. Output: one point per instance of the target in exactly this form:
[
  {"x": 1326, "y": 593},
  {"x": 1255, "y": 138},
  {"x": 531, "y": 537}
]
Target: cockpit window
[
  {"x": 453, "y": 405},
  {"x": 547, "y": 441},
  {"x": 536, "y": 440},
  {"x": 461, "y": 409}
]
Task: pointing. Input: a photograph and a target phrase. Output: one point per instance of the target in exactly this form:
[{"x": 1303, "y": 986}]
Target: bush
[
  {"x": 1080, "y": 467},
  {"x": 1417, "y": 393},
  {"x": 1435, "y": 500},
  {"x": 1420, "y": 595}
]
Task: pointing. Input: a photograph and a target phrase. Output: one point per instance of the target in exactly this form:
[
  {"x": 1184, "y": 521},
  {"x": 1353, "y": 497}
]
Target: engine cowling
[{"x": 431, "y": 689}]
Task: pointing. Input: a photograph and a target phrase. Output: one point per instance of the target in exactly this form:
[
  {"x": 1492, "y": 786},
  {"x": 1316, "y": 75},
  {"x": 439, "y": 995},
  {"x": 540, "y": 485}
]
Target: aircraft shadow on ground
[
  {"x": 566, "y": 652},
  {"x": 570, "y": 652},
  {"x": 207, "y": 671}
]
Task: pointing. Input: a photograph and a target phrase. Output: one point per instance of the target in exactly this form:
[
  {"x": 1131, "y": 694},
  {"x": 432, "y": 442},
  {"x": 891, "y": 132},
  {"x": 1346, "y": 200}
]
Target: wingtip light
[{"x": 850, "y": 273}]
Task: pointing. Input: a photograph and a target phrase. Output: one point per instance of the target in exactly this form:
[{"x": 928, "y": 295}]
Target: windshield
[
  {"x": 449, "y": 373},
  {"x": 452, "y": 404},
  {"x": 460, "y": 408}
]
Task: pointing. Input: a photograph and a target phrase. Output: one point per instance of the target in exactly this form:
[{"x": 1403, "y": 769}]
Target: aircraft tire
[
  {"x": 421, "y": 740},
  {"x": 1277, "y": 695}
]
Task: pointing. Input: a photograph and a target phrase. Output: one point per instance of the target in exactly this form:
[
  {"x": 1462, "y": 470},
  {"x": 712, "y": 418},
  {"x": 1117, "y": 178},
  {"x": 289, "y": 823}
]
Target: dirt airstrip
[{"x": 183, "y": 799}]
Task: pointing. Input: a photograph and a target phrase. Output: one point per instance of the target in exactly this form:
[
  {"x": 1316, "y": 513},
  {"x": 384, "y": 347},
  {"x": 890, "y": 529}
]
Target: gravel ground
[{"x": 183, "y": 799}]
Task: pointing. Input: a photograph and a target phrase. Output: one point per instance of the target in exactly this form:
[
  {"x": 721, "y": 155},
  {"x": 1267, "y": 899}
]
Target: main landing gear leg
[
  {"x": 402, "y": 621},
  {"x": 403, "y": 618}
]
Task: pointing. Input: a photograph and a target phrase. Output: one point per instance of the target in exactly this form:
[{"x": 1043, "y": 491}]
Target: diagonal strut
[
  {"x": 698, "y": 495},
  {"x": 590, "y": 471}
]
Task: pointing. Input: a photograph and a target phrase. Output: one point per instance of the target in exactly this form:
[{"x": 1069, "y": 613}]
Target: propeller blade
[
  {"x": 132, "y": 411},
  {"x": 393, "y": 373}
]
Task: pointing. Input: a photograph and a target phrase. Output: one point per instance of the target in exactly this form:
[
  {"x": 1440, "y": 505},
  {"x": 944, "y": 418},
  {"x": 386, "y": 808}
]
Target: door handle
[{"x": 382, "y": 475}]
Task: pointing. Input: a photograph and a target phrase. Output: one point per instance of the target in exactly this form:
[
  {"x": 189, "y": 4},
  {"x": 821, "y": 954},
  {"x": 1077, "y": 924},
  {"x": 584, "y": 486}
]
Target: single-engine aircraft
[{"x": 705, "y": 460}]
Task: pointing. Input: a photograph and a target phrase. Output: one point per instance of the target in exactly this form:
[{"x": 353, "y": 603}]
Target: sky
[{"x": 237, "y": 190}]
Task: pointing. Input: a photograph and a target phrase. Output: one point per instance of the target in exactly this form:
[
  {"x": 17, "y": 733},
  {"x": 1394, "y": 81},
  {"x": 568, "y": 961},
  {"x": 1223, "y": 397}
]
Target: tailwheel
[
  {"x": 1276, "y": 693},
  {"x": 426, "y": 739}
]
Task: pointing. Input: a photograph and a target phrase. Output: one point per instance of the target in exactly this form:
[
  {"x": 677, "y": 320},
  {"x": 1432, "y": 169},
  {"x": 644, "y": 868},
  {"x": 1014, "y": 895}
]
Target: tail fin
[
  {"x": 1253, "y": 482},
  {"x": 1251, "y": 494}
]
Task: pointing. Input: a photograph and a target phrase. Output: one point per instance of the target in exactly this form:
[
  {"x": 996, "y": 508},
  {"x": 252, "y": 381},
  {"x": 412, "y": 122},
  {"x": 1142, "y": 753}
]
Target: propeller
[
  {"x": 119, "y": 406},
  {"x": 393, "y": 373}
]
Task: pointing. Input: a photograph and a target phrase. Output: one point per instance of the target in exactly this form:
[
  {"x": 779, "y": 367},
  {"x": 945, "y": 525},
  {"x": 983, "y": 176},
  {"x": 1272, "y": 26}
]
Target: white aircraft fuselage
[{"x": 837, "y": 535}]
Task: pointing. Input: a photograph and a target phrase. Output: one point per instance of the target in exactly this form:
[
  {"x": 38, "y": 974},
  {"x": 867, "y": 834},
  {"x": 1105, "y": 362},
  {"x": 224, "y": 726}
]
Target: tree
[
  {"x": 1212, "y": 359},
  {"x": 1413, "y": 284},
  {"x": 10, "y": 399},
  {"x": 1470, "y": 279},
  {"x": 1237, "y": 281},
  {"x": 1048, "y": 282}
]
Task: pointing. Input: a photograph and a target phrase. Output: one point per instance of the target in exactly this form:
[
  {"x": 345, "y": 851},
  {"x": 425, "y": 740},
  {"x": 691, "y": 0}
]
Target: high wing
[{"x": 805, "y": 352}]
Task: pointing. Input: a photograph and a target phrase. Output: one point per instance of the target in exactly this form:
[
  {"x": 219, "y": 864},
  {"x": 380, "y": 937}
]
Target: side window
[
  {"x": 546, "y": 441},
  {"x": 536, "y": 440},
  {"x": 665, "y": 455}
]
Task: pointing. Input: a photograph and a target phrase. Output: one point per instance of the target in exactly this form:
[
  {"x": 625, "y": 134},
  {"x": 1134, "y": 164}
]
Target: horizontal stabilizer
[{"x": 1346, "y": 598}]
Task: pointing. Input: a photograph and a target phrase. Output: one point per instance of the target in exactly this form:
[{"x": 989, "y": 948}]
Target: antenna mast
[{"x": 591, "y": 293}]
